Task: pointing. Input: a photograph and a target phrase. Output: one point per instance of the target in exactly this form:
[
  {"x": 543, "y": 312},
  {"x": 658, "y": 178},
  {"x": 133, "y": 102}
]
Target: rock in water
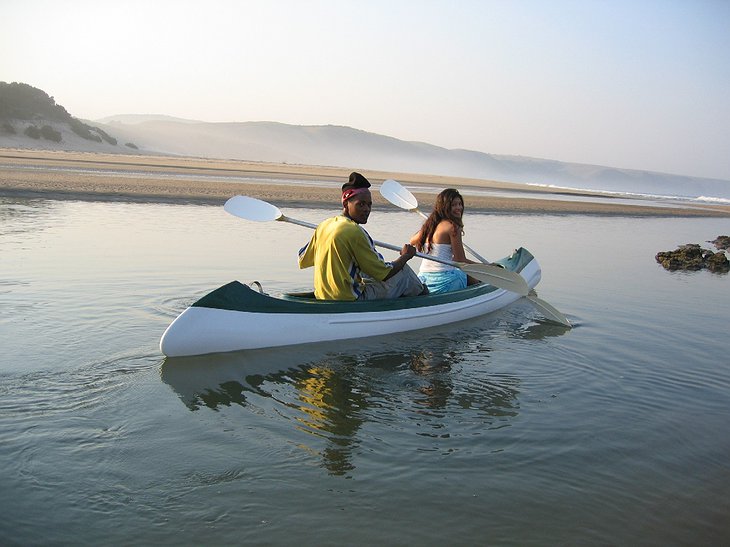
[
  {"x": 693, "y": 257},
  {"x": 721, "y": 242}
]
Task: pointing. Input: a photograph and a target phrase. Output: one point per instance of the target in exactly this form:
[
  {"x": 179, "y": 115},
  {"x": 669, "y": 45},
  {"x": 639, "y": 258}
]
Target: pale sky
[{"x": 641, "y": 84}]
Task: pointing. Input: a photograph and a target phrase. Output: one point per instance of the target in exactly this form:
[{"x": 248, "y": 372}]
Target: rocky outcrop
[
  {"x": 721, "y": 242},
  {"x": 693, "y": 257}
]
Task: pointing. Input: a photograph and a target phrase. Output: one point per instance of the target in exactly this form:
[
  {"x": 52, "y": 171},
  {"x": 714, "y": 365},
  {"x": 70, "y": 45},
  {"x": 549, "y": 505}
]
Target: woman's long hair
[{"x": 441, "y": 211}]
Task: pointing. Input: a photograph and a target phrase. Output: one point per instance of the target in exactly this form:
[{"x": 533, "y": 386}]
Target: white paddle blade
[
  {"x": 499, "y": 277},
  {"x": 398, "y": 195},
  {"x": 252, "y": 209},
  {"x": 549, "y": 311}
]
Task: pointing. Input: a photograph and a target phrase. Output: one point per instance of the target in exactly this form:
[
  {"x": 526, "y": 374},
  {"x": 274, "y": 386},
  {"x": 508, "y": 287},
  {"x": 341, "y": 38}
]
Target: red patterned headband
[{"x": 350, "y": 192}]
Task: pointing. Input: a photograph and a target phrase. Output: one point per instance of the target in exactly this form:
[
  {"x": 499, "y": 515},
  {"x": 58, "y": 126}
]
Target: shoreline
[{"x": 87, "y": 176}]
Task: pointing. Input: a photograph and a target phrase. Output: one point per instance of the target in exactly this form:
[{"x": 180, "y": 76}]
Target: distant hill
[
  {"x": 30, "y": 118},
  {"x": 23, "y": 107},
  {"x": 140, "y": 118},
  {"x": 353, "y": 148}
]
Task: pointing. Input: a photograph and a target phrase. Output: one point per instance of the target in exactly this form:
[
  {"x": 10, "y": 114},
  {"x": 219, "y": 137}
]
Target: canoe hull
[{"x": 262, "y": 321}]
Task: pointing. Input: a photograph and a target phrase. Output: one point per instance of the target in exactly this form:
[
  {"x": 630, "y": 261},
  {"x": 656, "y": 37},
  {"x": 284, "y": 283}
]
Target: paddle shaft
[
  {"x": 261, "y": 211},
  {"x": 390, "y": 246}
]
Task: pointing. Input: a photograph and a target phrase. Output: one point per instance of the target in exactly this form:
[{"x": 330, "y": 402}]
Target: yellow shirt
[{"x": 340, "y": 250}]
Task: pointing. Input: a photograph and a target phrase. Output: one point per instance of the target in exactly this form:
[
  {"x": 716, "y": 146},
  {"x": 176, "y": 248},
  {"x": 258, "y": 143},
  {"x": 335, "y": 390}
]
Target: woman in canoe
[{"x": 440, "y": 236}]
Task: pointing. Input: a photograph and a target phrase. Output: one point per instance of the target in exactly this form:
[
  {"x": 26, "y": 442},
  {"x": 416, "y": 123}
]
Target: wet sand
[{"x": 168, "y": 179}]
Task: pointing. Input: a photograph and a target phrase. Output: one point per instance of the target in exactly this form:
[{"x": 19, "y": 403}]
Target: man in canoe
[{"x": 346, "y": 264}]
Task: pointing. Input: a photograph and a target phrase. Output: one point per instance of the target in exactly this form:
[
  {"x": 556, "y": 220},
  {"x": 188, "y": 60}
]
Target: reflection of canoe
[{"x": 235, "y": 317}]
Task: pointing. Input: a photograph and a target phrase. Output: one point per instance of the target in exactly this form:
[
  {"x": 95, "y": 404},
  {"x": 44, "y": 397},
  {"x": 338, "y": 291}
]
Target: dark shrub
[
  {"x": 79, "y": 128},
  {"x": 33, "y": 132},
  {"x": 83, "y": 130},
  {"x": 104, "y": 135},
  {"x": 50, "y": 134}
]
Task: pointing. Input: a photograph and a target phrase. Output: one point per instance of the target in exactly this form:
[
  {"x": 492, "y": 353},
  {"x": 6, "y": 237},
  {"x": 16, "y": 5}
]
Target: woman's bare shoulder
[
  {"x": 446, "y": 225},
  {"x": 444, "y": 231}
]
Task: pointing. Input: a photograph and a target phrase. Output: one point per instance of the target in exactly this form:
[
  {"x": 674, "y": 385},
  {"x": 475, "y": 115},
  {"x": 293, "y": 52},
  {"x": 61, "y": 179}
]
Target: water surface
[{"x": 503, "y": 430}]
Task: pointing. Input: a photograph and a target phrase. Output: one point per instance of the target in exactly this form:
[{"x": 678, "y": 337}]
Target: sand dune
[{"x": 94, "y": 176}]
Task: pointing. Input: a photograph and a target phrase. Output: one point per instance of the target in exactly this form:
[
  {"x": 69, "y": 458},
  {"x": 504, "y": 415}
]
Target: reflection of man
[
  {"x": 341, "y": 251},
  {"x": 333, "y": 405}
]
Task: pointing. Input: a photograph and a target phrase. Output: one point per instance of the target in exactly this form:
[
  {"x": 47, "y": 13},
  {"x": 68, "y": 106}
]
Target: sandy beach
[{"x": 116, "y": 177}]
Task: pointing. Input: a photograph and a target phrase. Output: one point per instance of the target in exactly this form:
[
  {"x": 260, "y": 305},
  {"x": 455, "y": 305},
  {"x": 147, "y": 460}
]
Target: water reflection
[
  {"x": 333, "y": 406},
  {"x": 425, "y": 383},
  {"x": 542, "y": 329},
  {"x": 434, "y": 369},
  {"x": 21, "y": 215}
]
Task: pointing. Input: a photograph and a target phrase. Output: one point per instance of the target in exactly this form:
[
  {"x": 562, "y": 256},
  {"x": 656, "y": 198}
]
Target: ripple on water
[
  {"x": 57, "y": 423},
  {"x": 68, "y": 390},
  {"x": 165, "y": 307}
]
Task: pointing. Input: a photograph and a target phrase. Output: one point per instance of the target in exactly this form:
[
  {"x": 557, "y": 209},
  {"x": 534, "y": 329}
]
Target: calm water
[{"x": 501, "y": 431}]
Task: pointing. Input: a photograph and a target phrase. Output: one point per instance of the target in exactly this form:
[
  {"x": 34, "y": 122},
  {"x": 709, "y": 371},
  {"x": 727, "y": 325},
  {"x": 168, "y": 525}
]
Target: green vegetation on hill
[{"x": 25, "y": 103}]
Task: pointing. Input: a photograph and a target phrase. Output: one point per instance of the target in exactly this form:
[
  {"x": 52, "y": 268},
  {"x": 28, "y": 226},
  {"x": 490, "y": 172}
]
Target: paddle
[
  {"x": 262, "y": 211},
  {"x": 401, "y": 197}
]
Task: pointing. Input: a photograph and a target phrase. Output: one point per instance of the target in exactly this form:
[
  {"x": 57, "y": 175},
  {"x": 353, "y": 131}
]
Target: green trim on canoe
[{"x": 236, "y": 296}]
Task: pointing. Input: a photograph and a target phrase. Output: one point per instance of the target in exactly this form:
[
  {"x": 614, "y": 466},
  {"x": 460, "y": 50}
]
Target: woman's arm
[{"x": 457, "y": 245}]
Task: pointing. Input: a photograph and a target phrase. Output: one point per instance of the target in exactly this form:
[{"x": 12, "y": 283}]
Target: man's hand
[{"x": 408, "y": 250}]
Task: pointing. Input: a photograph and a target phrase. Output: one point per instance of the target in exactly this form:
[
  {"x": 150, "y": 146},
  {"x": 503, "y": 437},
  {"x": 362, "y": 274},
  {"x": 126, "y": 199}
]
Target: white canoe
[{"x": 236, "y": 317}]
